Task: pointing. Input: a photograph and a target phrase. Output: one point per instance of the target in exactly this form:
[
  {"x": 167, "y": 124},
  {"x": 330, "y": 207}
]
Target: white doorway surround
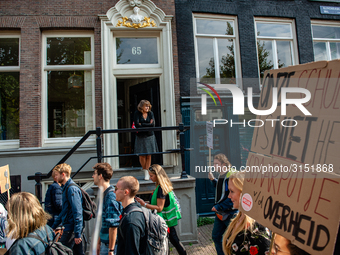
[{"x": 118, "y": 25}]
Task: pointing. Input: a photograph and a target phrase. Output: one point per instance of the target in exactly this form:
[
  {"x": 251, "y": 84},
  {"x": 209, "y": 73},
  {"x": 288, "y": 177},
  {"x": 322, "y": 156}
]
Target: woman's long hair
[
  {"x": 25, "y": 215},
  {"x": 162, "y": 178},
  {"x": 247, "y": 223},
  {"x": 223, "y": 159}
]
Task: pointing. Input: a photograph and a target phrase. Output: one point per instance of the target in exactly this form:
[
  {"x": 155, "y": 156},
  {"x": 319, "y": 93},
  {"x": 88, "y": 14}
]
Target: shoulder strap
[
  {"x": 71, "y": 184},
  {"x": 129, "y": 210},
  {"x": 34, "y": 235}
]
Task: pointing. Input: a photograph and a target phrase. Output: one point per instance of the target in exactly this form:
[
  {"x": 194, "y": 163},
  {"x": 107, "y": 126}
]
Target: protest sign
[
  {"x": 5, "y": 182},
  {"x": 210, "y": 140},
  {"x": 299, "y": 205},
  {"x": 312, "y": 139},
  {"x": 292, "y": 176}
]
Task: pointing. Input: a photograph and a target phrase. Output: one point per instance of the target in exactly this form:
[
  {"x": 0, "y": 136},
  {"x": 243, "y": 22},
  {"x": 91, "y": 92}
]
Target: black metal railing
[{"x": 38, "y": 177}]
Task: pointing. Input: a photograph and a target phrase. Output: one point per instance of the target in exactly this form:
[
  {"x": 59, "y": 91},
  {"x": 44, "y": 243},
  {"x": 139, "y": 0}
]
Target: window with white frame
[
  {"x": 68, "y": 66},
  {"x": 136, "y": 49},
  {"x": 276, "y": 44},
  {"x": 326, "y": 40},
  {"x": 9, "y": 86},
  {"x": 217, "y": 49}
]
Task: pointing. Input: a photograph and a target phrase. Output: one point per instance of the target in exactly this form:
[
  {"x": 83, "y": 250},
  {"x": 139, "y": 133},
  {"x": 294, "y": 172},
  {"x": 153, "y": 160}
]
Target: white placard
[{"x": 210, "y": 140}]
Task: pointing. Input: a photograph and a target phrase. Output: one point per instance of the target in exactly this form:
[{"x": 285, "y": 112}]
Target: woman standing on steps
[
  {"x": 164, "y": 201},
  {"x": 145, "y": 141}
]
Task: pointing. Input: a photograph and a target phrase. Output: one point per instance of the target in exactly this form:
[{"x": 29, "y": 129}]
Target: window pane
[
  {"x": 211, "y": 115},
  {"x": 284, "y": 54},
  {"x": 216, "y": 27},
  {"x": 68, "y": 51},
  {"x": 320, "y": 52},
  {"x": 273, "y": 29},
  {"x": 206, "y": 58},
  {"x": 265, "y": 56},
  {"x": 335, "y": 50},
  {"x": 136, "y": 50},
  {"x": 9, "y": 103},
  {"x": 9, "y": 51},
  {"x": 227, "y": 61},
  {"x": 326, "y": 32},
  {"x": 66, "y": 104}
]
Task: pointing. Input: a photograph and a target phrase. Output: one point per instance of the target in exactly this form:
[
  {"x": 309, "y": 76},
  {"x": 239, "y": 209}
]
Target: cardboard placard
[
  {"x": 292, "y": 178},
  {"x": 5, "y": 181},
  {"x": 301, "y": 206},
  {"x": 315, "y": 138}
]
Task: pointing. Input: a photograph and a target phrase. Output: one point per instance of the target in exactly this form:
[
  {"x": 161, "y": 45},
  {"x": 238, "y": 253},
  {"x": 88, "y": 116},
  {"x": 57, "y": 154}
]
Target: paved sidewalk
[{"x": 205, "y": 245}]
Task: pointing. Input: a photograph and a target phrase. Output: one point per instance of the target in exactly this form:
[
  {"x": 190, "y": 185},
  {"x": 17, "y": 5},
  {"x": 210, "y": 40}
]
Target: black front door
[{"x": 148, "y": 90}]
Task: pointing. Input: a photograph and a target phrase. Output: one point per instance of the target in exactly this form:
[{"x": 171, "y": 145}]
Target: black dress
[{"x": 145, "y": 141}]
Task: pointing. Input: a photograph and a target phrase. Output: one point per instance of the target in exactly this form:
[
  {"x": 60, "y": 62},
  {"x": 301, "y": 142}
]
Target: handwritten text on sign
[{"x": 298, "y": 205}]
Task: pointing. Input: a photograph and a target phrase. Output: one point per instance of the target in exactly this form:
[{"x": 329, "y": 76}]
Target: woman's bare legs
[
  {"x": 147, "y": 162},
  {"x": 144, "y": 160}
]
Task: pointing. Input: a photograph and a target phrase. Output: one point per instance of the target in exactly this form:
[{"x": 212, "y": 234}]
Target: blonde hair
[
  {"x": 142, "y": 103},
  {"x": 25, "y": 215},
  {"x": 246, "y": 223},
  {"x": 223, "y": 159},
  {"x": 130, "y": 183},
  {"x": 162, "y": 178},
  {"x": 63, "y": 168}
]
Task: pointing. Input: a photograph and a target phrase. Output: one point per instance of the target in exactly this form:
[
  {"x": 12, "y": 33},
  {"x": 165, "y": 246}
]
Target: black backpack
[
  {"x": 89, "y": 207},
  {"x": 156, "y": 231},
  {"x": 52, "y": 247}
]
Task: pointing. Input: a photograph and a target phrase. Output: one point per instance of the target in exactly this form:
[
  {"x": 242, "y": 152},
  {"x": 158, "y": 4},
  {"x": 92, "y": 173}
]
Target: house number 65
[{"x": 136, "y": 50}]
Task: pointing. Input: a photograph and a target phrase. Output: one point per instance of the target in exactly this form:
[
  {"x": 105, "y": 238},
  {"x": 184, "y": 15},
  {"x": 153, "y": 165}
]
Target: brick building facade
[{"x": 42, "y": 136}]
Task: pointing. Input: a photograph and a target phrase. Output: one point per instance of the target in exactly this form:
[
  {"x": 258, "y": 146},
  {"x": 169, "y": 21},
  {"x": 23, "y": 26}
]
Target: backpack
[
  {"x": 89, "y": 207},
  {"x": 177, "y": 202},
  {"x": 156, "y": 231},
  {"x": 53, "y": 247}
]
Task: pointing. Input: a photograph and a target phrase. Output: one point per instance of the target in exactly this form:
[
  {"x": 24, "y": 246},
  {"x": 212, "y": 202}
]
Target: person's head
[
  {"x": 159, "y": 177},
  {"x": 102, "y": 172},
  {"x": 221, "y": 161},
  {"x": 144, "y": 106},
  {"x": 135, "y": 9},
  {"x": 126, "y": 188},
  {"x": 62, "y": 172},
  {"x": 54, "y": 176},
  {"x": 25, "y": 215},
  {"x": 283, "y": 246},
  {"x": 235, "y": 186},
  {"x": 241, "y": 221}
]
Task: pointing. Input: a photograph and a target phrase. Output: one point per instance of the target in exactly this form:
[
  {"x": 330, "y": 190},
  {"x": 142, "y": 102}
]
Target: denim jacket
[
  {"x": 30, "y": 245},
  {"x": 71, "y": 216},
  {"x": 111, "y": 212}
]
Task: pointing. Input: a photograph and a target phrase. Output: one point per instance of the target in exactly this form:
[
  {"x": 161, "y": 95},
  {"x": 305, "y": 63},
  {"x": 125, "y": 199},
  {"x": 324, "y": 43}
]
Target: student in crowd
[
  {"x": 223, "y": 206},
  {"x": 26, "y": 216},
  {"x": 145, "y": 141},
  {"x": 164, "y": 202},
  {"x": 71, "y": 216},
  {"x": 53, "y": 200},
  {"x": 283, "y": 246},
  {"x": 111, "y": 210},
  {"x": 244, "y": 235},
  {"x": 132, "y": 239}
]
